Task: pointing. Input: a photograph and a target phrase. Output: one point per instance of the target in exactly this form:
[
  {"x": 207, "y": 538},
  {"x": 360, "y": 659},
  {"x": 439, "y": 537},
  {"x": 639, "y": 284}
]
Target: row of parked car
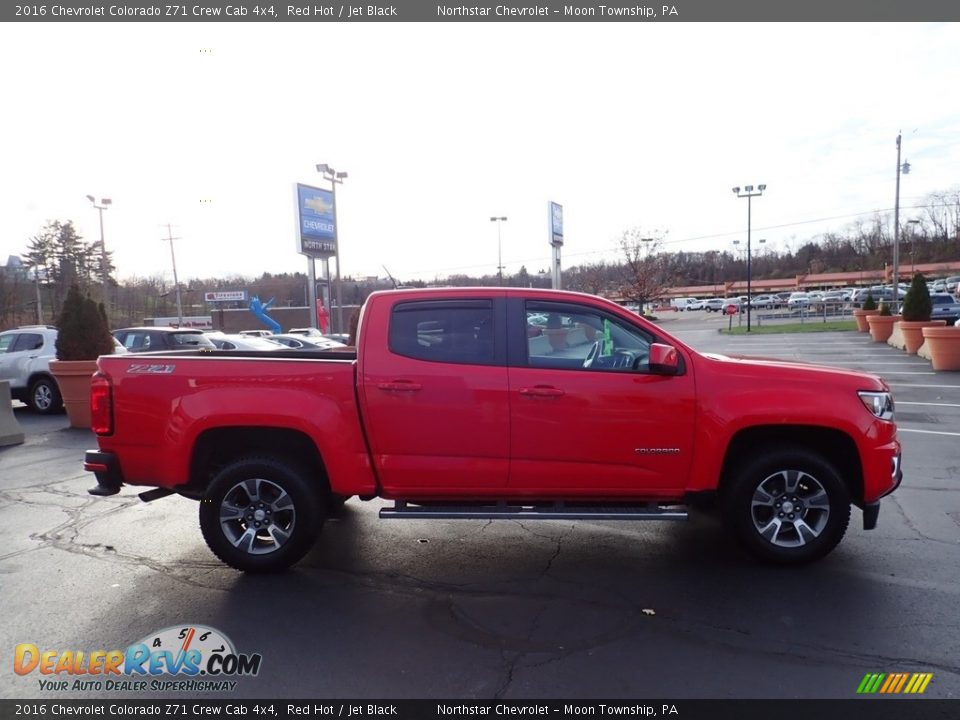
[
  {"x": 26, "y": 352},
  {"x": 144, "y": 339},
  {"x": 943, "y": 293}
]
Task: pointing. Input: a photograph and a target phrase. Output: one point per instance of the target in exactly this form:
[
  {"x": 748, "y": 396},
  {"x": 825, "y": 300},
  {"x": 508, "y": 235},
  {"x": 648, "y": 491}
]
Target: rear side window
[
  {"x": 444, "y": 331},
  {"x": 28, "y": 341},
  {"x": 182, "y": 340}
]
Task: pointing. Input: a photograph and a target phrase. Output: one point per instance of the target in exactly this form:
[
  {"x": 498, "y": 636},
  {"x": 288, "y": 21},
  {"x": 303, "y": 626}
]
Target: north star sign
[
  {"x": 225, "y": 296},
  {"x": 317, "y": 231}
]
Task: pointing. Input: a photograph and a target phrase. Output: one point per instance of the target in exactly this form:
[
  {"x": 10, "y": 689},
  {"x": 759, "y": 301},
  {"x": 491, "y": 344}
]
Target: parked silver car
[{"x": 945, "y": 307}]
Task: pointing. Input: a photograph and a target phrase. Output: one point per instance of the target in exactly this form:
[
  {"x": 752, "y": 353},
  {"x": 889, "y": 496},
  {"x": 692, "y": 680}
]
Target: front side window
[
  {"x": 567, "y": 337},
  {"x": 445, "y": 331}
]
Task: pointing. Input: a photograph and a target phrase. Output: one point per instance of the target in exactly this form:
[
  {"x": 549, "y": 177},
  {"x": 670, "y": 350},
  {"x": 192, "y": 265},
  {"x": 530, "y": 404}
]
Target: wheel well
[
  {"x": 835, "y": 445},
  {"x": 40, "y": 375},
  {"x": 218, "y": 447}
]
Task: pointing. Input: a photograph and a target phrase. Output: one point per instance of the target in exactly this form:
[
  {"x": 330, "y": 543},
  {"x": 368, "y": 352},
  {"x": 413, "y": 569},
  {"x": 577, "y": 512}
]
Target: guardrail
[{"x": 10, "y": 432}]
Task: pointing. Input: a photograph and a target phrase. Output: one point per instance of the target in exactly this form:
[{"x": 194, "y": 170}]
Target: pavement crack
[{"x": 509, "y": 666}]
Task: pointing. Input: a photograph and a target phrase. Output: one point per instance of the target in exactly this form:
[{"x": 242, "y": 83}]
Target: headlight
[{"x": 880, "y": 404}]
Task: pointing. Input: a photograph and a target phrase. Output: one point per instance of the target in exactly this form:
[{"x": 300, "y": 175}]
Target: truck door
[
  {"x": 433, "y": 387},
  {"x": 587, "y": 415}
]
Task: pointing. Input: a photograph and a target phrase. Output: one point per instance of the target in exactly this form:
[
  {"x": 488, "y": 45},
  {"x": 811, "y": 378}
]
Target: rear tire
[
  {"x": 44, "y": 397},
  {"x": 260, "y": 514},
  {"x": 788, "y": 506}
]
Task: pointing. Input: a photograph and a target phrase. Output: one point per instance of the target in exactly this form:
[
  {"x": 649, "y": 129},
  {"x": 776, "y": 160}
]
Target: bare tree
[
  {"x": 593, "y": 278},
  {"x": 643, "y": 272}
]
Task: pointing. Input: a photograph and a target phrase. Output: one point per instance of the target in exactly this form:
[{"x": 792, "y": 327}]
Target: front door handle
[
  {"x": 399, "y": 386},
  {"x": 542, "y": 391}
]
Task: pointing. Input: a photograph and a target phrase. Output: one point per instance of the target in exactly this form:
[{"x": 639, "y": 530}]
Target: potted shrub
[
  {"x": 881, "y": 324},
  {"x": 916, "y": 314},
  {"x": 860, "y": 315},
  {"x": 942, "y": 346},
  {"x": 82, "y": 336}
]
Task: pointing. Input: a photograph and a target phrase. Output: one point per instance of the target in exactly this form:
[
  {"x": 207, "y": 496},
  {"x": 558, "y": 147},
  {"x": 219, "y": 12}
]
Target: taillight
[{"x": 101, "y": 405}]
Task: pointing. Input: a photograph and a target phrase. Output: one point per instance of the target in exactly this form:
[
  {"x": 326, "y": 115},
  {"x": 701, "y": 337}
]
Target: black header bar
[{"x": 444, "y": 11}]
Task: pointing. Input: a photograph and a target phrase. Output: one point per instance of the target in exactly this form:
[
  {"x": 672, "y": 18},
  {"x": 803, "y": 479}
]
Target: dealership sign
[
  {"x": 316, "y": 222},
  {"x": 225, "y": 296},
  {"x": 556, "y": 223}
]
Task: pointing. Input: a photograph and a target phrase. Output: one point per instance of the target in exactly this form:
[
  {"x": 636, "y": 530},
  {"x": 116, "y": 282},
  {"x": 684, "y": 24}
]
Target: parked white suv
[{"x": 25, "y": 355}]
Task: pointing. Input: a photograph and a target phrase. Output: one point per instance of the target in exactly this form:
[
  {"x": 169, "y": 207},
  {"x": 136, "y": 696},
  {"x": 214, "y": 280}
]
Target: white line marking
[
  {"x": 911, "y": 385},
  {"x": 870, "y": 362},
  {"x": 927, "y": 432},
  {"x": 903, "y": 402}
]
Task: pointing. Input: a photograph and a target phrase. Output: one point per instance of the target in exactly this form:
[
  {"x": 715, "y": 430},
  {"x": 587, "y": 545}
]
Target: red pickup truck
[{"x": 495, "y": 403}]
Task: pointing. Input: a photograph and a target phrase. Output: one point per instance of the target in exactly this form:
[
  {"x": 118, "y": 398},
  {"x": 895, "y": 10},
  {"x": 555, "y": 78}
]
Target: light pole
[
  {"x": 104, "y": 204},
  {"x": 176, "y": 283},
  {"x": 335, "y": 178},
  {"x": 905, "y": 169},
  {"x": 913, "y": 239},
  {"x": 499, "y": 221},
  {"x": 749, "y": 193}
]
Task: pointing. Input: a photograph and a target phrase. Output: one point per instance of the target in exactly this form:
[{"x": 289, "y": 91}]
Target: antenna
[{"x": 389, "y": 276}]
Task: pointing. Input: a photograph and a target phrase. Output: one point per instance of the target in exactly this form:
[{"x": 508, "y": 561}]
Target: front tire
[
  {"x": 260, "y": 514},
  {"x": 44, "y": 397},
  {"x": 789, "y": 506}
]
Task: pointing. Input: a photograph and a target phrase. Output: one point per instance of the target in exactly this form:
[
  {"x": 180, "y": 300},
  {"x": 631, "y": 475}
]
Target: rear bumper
[{"x": 106, "y": 468}]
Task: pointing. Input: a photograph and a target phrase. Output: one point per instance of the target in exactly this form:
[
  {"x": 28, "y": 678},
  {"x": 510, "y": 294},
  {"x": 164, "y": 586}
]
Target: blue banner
[{"x": 316, "y": 219}]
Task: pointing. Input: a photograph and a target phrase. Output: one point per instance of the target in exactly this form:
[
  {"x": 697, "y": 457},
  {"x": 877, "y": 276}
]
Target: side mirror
[{"x": 664, "y": 359}]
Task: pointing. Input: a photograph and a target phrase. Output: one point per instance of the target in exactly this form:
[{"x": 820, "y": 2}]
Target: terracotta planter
[
  {"x": 881, "y": 326},
  {"x": 943, "y": 344},
  {"x": 861, "y": 317},
  {"x": 912, "y": 331},
  {"x": 73, "y": 379}
]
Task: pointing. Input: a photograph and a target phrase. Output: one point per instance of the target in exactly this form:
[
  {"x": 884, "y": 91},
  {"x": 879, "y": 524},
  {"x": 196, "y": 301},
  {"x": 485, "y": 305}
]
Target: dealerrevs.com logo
[{"x": 197, "y": 657}]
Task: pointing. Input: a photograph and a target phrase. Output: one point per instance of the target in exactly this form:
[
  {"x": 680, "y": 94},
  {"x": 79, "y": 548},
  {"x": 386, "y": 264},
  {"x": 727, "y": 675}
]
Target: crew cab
[{"x": 449, "y": 407}]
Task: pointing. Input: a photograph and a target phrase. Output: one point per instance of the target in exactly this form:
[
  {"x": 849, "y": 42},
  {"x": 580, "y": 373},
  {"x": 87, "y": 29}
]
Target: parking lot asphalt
[{"x": 475, "y": 609}]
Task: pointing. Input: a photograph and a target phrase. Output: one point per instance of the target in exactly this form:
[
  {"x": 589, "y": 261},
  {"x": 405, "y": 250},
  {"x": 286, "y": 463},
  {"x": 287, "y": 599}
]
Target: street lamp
[
  {"x": 748, "y": 193},
  {"x": 335, "y": 178},
  {"x": 104, "y": 203},
  {"x": 905, "y": 169},
  {"x": 499, "y": 221}
]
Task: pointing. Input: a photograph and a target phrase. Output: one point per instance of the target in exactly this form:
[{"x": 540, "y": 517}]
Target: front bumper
[
  {"x": 871, "y": 511},
  {"x": 107, "y": 471}
]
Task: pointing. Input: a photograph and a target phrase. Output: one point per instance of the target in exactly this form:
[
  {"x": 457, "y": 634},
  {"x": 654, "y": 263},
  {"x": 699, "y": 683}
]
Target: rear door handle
[
  {"x": 399, "y": 386},
  {"x": 544, "y": 391}
]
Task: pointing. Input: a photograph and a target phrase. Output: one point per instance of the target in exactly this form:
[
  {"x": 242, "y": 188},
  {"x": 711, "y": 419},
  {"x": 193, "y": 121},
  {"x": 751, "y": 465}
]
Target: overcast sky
[{"x": 442, "y": 125}]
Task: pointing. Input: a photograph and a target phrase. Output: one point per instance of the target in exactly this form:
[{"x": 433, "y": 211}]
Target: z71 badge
[{"x": 151, "y": 369}]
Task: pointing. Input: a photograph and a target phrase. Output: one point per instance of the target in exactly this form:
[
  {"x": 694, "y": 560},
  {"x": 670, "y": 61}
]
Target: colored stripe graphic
[
  {"x": 918, "y": 683},
  {"x": 894, "y": 683},
  {"x": 870, "y": 683}
]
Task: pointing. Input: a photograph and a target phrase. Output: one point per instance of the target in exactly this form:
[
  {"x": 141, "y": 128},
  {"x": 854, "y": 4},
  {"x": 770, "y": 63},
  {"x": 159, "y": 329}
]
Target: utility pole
[{"x": 176, "y": 283}]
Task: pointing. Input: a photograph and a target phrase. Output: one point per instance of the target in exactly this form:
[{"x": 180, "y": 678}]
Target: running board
[{"x": 534, "y": 511}]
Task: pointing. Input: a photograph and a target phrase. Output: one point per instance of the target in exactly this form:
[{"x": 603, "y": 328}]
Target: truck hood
[{"x": 796, "y": 371}]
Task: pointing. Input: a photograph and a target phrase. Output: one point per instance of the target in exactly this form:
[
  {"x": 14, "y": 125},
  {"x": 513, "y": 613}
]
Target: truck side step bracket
[{"x": 534, "y": 511}]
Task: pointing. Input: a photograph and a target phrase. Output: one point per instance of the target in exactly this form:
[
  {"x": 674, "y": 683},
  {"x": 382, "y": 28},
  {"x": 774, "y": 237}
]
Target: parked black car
[{"x": 144, "y": 339}]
